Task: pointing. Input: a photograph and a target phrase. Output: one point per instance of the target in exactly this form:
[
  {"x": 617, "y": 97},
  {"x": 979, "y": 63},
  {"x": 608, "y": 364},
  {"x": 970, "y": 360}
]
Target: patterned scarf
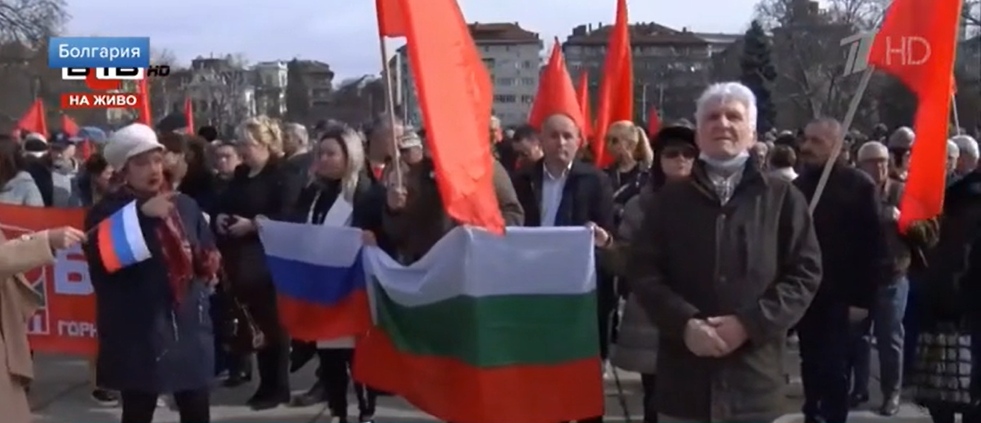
[{"x": 183, "y": 261}]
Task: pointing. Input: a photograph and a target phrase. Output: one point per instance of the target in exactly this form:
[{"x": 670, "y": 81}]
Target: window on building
[
  {"x": 527, "y": 99},
  {"x": 528, "y": 81},
  {"x": 527, "y": 64},
  {"x": 505, "y": 98},
  {"x": 507, "y": 82}
]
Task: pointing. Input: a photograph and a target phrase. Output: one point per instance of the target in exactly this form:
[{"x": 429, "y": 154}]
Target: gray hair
[
  {"x": 902, "y": 138},
  {"x": 723, "y": 92},
  {"x": 297, "y": 132},
  {"x": 953, "y": 151},
  {"x": 967, "y": 145}
]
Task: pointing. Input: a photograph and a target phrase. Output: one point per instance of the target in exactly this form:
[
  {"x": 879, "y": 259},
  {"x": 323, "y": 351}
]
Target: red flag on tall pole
[
  {"x": 555, "y": 93},
  {"x": 653, "y": 122},
  {"x": 68, "y": 125},
  {"x": 616, "y": 99},
  {"x": 917, "y": 44},
  {"x": 34, "y": 120}
]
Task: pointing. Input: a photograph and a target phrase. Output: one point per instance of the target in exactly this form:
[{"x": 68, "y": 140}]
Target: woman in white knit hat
[{"x": 155, "y": 333}]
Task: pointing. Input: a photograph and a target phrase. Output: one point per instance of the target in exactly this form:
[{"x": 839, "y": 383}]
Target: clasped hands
[{"x": 714, "y": 337}]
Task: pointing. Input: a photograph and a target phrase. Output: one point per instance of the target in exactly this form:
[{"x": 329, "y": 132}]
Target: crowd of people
[{"x": 707, "y": 257}]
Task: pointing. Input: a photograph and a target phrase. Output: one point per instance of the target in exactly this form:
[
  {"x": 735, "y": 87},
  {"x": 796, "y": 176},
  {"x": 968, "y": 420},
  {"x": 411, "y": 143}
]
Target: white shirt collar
[{"x": 549, "y": 175}]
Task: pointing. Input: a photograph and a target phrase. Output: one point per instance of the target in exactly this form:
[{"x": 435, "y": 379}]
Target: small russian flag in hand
[{"x": 120, "y": 239}]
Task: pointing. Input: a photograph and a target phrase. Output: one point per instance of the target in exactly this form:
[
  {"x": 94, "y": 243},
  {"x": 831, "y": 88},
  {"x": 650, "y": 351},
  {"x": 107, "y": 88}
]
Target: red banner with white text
[{"x": 65, "y": 323}]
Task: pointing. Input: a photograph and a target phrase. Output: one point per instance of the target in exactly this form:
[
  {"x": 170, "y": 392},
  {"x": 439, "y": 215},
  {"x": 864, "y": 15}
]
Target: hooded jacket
[{"x": 21, "y": 191}]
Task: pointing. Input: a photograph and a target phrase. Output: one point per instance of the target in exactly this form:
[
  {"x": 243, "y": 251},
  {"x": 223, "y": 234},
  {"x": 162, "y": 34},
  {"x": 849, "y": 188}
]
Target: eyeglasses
[{"x": 674, "y": 153}]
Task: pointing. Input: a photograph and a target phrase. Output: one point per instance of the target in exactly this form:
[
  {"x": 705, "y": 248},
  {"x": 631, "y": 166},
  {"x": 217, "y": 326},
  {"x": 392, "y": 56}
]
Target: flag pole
[
  {"x": 390, "y": 110},
  {"x": 957, "y": 118},
  {"x": 839, "y": 145}
]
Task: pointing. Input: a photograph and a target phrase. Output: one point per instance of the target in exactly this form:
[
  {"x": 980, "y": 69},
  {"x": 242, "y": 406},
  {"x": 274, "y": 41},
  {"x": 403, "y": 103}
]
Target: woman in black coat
[
  {"x": 155, "y": 332},
  {"x": 339, "y": 193},
  {"x": 260, "y": 187}
]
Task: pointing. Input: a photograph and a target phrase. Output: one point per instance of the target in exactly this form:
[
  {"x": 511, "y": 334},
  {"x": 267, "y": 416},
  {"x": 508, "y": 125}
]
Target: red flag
[
  {"x": 653, "y": 122},
  {"x": 189, "y": 115},
  {"x": 555, "y": 93},
  {"x": 391, "y": 20},
  {"x": 68, "y": 125},
  {"x": 455, "y": 94},
  {"x": 85, "y": 149},
  {"x": 33, "y": 120},
  {"x": 143, "y": 90},
  {"x": 917, "y": 44},
  {"x": 582, "y": 93},
  {"x": 616, "y": 98}
]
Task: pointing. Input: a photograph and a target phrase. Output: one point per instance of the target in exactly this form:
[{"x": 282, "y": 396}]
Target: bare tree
[
  {"x": 30, "y": 21},
  {"x": 972, "y": 15},
  {"x": 223, "y": 95},
  {"x": 808, "y": 56}
]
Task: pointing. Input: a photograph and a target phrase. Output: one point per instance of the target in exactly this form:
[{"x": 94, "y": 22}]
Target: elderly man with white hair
[
  {"x": 967, "y": 148},
  {"x": 725, "y": 263},
  {"x": 296, "y": 148}
]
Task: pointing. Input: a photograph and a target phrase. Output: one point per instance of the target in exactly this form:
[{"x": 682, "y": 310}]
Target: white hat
[
  {"x": 129, "y": 141},
  {"x": 953, "y": 151},
  {"x": 873, "y": 150},
  {"x": 902, "y": 138}
]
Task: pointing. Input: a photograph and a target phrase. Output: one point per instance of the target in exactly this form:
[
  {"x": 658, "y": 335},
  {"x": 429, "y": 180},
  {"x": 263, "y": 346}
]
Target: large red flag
[
  {"x": 391, "y": 21},
  {"x": 33, "y": 120},
  {"x": 555, "y": 93},
  {"x": 616, "y": 98},
  {"x": 917, "y": 44}
]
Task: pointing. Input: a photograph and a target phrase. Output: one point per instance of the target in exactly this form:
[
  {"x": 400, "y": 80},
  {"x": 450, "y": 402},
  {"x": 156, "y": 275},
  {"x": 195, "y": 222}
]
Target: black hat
[{"x": 672, "y": 135}]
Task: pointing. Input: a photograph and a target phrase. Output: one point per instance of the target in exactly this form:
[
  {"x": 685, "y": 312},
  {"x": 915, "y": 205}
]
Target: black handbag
[{"x": 239, "y": 332}]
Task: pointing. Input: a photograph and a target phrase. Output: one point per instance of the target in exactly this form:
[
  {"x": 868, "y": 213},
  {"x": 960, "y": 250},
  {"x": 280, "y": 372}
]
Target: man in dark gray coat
[{"x": 726, "y": 263}]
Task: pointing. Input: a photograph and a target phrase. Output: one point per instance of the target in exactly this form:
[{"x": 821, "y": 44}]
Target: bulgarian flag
[{"x": 488, "y": 329}]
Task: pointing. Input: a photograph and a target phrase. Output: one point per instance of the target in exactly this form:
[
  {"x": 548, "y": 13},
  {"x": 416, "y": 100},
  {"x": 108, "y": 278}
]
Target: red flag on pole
[
  {"x": 33, "y": 120},
  {"x": 189, "y": 115}
]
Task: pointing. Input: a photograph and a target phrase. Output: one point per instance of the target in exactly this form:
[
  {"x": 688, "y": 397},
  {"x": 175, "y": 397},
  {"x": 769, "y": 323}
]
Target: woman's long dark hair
[{"x": 11, "y": 160}]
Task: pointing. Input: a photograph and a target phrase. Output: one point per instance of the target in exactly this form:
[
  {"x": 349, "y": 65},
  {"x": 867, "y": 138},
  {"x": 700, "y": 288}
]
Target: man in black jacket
[{"x": 853, "y": 256}]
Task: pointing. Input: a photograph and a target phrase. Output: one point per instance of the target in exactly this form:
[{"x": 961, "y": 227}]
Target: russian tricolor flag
[
  {"x": 319, "y": 279},
  {"x": 120, "y": 239}
]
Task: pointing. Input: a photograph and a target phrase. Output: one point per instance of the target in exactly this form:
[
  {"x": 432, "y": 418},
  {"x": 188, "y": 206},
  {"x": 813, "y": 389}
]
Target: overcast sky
[{"x": 343, "y": 32}]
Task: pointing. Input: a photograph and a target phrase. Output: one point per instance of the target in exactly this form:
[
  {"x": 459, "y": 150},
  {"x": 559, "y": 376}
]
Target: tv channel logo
[{"x": 99, "y": 52}]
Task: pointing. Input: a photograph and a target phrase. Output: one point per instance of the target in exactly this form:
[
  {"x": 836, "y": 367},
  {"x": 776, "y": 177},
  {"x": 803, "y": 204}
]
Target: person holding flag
[{"x": 153, "y": 263}]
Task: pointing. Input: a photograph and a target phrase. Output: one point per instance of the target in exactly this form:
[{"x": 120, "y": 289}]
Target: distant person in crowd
[
  {"x": 725, "y": 264},
  {"x": 967, "y": 161},
  {"x": 783, "y": 160},
  {"x": 38, "y": 163},
  {"x": 65, "y": 169},
  {"x": 946, "y": 371},
  {"x": 209, "y": 133},
  {"x": 900, "y": 144},
  {"x": 885, "y": 322},
  {"x": 527, "y": 147},
  {"x": 854, "y": 262},
  {"x": 199, "y": 181},
  {"x": 632, "y": 160},
  {"x": 501, "y": 146},
  {"x": 155, "y": 334},
  {"x": 415, "y": 219},
  {"x": 226, "y": 160},
  {"x": 636, "y": 344},
  {"x": 953, "y": 159},
  {"x": 380, "y": 149},
  {"x": 560, "y": 190},
  {"x": 338, "y": 177},
  {"x": 175, "y": 157},
  {"x": 296, "y": 149},
  {"x": 94, "y": 182},
  {"x": 175, "y": 123},
  {"x": 18, "y": 302},
  {"x": 261, "y": 187},
  {"x": 17, "y": 187},
  {"x": 760, "y": 152}
]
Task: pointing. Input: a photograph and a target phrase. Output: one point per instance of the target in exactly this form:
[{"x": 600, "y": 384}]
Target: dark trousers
[
  {"x": 273, "y": 363},
  {"x": 193, "y": 406},
  {"x": 334, "y": 374},
  {"x": 649, "y": 382},
  {"x": 824, "y": 342}
]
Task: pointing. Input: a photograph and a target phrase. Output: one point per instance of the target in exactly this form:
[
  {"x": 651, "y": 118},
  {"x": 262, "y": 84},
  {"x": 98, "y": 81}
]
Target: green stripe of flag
[{"x": 495, "y": 331}]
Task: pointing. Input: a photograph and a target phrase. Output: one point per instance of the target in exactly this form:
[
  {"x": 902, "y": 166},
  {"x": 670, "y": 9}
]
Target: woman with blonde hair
[
  {"x": 340, "y": 193},
  {"x": 261, "y": 186},
  {"x": 633, "y": 156}
]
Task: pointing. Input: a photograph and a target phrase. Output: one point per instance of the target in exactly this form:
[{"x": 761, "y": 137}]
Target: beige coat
[{"x": 18, "y": 303}]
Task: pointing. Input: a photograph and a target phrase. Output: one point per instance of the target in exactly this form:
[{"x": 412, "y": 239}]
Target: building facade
[
  {"x": 671, "y": 67},
  {"x": 308, "y": 90},
  {"x": 270, "y": 90},
  {"x": 513, "y": 58}
]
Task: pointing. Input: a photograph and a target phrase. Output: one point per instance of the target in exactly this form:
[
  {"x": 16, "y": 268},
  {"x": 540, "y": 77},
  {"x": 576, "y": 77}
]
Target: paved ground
[{"x": 60, "y": 395}]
